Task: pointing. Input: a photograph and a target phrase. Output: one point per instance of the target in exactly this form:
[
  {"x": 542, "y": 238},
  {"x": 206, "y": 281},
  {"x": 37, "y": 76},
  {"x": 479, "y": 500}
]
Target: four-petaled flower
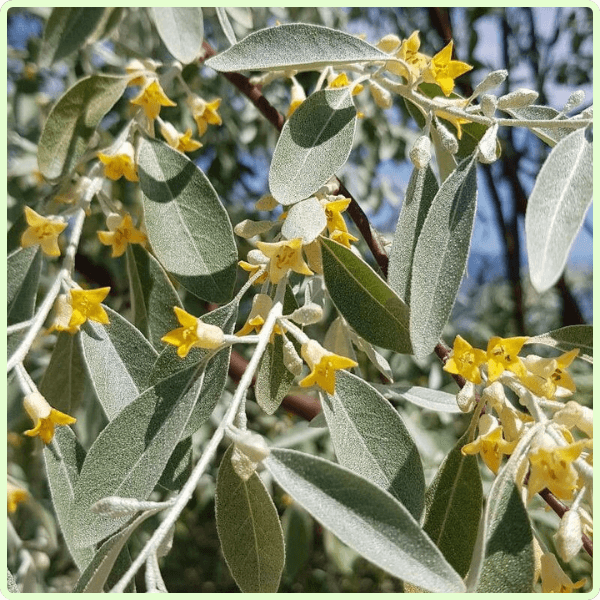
[
  {"x": 443, "y": 70},
  {"x": 122, "y": 233},
  {"x": 552, "y": 468},
  {"x": 502, "y": 356},
  {"x": 120, "y": 163},
  {"x": 86, "y": 305},
  {"x": 205, "y": 113},
  {"x": 545, "y": 375},
  {"x": 465, "y": 360},
  {"x": 554, "y": 579},
  {"x": 415, "y": 60},
  {"x": 490, "y": 443},
  {"x": 44, "y": 417},
  {"x": 323, "y": 365},
  {"x": 15, "y": 495},
  {"x": 151, "y": 98},
  {"x": 284, "y": 256},
  {"x": 42, "y": 231},
  {"x": 180, "y": 141},
  {"x": 193, "y": 333}
]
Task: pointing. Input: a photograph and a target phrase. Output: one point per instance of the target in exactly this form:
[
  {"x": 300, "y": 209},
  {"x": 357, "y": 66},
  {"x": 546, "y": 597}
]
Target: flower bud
[
  {"x": 248, "y": 229},
  {"x": 488, "y": 103},
  {"x": 449, "y": 141},
  {"x": 113, "y": 220},
  {"x": 308, "y": 314},
  {"x": 487, "y": 145},
  {"x": 575, "y": 99},
  {"x": 420, "y": 153},
  {"x": 568, "y": 537},
  {"x": 291, "y": 359},
  {"x": 389, "y": 43},
  {"x": 248, "y": 450},
  {"x": 382, "y": 97},
  {"x": 491, "y": 81},
  {"x": 466, "y": 397},
  {"x": 517, "y": 99},
  {"x": 256, "y": 257}
]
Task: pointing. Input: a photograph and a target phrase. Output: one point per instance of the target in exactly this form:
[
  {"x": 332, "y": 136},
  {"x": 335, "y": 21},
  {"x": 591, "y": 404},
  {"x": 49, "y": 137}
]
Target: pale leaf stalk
[
  {"x": 18, "y": 327},
  {"x": 25, "y": 382},
  {"x": 46, "y": 306},
  {"x": 188, "y": 489}
]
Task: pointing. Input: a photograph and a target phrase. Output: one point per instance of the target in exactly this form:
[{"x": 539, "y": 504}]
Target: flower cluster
[{"x": 557, "y": 454}]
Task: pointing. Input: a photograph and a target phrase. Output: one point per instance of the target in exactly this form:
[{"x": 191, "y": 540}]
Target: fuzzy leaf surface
[
  {"x": 305, "y": 220},
  {"x": 568, "y": 338},
  {"x": 370, "y": 439},
  {"x": 181, "y": 30},
  {"x": 23, "y": 267},
  {"x": 187, "y": 225},
  {"x": 365, "y": 517},
  {"x": 249, "y": 530},
  {"x": 314, "y": 143},
  {"x": 369, "y": 305}
]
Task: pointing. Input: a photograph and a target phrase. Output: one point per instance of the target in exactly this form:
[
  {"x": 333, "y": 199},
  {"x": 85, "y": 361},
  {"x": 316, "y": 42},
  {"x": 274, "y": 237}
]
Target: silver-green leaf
[
  {"x": 568, "y": 338},
  {"x": 365, "y": 517},
  {"x": 313, "y": 145},
  {"x": 23, "y": 271},
  {"x": 440, "y": 256},
  {"x": 72, "y": 122},
  {"x": 118, "y": 359},
  {"x": 305, "y": 220},
  {"x": 370, "y": 438},
  {"x": 181, "y": 30},
  {"x": 188, "y": 227},
  {"x": 424, "y": 397},
  {"x": 249, "y": 530},
  {"x": 295, "y": 46},
  {"x": 556, "y": 208},
  {"x": 369, "y": 305}
]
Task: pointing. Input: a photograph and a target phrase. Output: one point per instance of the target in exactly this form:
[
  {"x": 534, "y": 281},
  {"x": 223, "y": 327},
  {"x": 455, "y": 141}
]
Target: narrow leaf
[
  {"x": 440, "y": 256},
  {"x": 63, "y": 459},
  {"x": 179, "y": 467},
  {"x": 187, "y": 225},
  {"x": 372, "y": 308},
  {"x": 64, "y": 380},
  {"x": 152, "y": 296},
  {"x": 453, "y": 506},
  {"x": 67, "y": 31},
  {"x": 226, "y": 25},
  {"x": 181, "y": 30},
  {"x": 129, "y": 456},
  {"x": 24, "y": 267},
  {"x": 118, "y": 359},
  {"x": 365, "y": 517},
  {"x": 556, "y": 208},
  {"x": 424, "y": 397},
  {"x": 567, "y": 338},
  {"x": 249, "y": 530},
  {"x": 73, "y": 120},
  {"x": 370, "y": 439},
  {"x": 313, "y": 145},
  {"x": 422, "y": 188},
  {"x": 534, "y": 112},
  {"x": 297, "y": 530},
  {"x": 297, "y": 45}
]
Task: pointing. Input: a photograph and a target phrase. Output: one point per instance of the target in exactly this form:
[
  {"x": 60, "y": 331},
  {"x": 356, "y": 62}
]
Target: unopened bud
[
  {"x": 248, "y": 228},
  {"x": 389, "y": 43},
  {"x": 420, "y": 153},
  {"x": 291, "y": 358},
  {"x": 575, "y": 99},
  {"x": 248, "y": 450},
  {"x": 266, "y": 202},
  {"x": 449, "y": 141},
  {"x": 488, "y": 144},
  {"x": 256, "y": 257},
  {"x": 488, "y": 103},
  {"x": 491, "y": 81},
  {"x": 113, "y": 220},
  {"x": 568, "y": 537},
  {"x": 308, "y": 314},
  {"x": 466, "y": 397},
  {"x": 115, "y": 506},
  {"x": 517, "y": 99},
  {"x": 382, "y": 97}
]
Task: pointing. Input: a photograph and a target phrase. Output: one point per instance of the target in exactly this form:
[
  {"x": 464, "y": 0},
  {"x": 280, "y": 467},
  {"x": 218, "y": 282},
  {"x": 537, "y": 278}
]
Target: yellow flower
[
  {"x": 151, "y": 98},
  {"x": 205, "y": 113},
  {"x": 456, "y": 121},
  {"x": 465, "y": 360},
  {"x": 552, "y": 468},
  {"x": 443, "y": 70},
  {"x": 343, "y": 237},
  {"x": 193, "y": 333},
  {"x": 545, "y": 375},
  {"x": 342, "y": 81},
  {"x": 284, "y": 256},
  {"x": 180, "y": 141},
  {"x": 120, "y": 235},
  {"x": 502, "y": 355},
  {"x": 253, "y": 269},
  {"x": 42, "y": 231},
  {"x": 86, "y": 305},
  {"x": 261, "y": 305},
  {"x": 490, "y": 443},
  {"x": 121, "y": 163},
  {"x": 554, "y": 579},
  {"x": 44, "y": 417},
  {"x": 298, "y": 96},
  {"x": 323, "y": 365},
  {"x": 333, "y": 212},
  {"x": 409, "y": 53},
  {"x": 15, "y": 495}
]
